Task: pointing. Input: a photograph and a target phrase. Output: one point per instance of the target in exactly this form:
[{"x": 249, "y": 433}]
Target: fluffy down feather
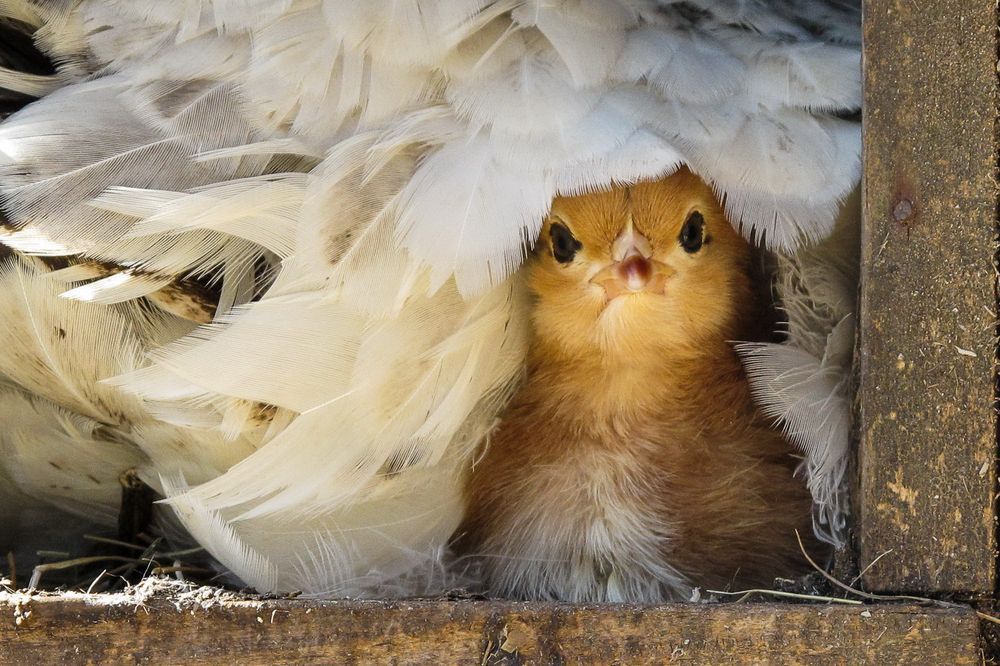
[
  {"x": 803, "y": 383},
  {"x": 341, "y": 192}
]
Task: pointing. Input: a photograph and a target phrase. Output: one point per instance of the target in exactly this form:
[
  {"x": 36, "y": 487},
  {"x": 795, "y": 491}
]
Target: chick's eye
[
  {"x": 693, "y": 233},
  {"x": 564, "y": 245}
]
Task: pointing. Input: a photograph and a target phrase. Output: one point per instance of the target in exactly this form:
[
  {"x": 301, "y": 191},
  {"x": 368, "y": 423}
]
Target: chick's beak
[{"x": 633, "y": 269}]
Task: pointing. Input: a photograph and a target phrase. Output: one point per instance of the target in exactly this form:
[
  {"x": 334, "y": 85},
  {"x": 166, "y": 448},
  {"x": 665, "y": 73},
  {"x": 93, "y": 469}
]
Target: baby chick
[{"x": 632, "y": 466}]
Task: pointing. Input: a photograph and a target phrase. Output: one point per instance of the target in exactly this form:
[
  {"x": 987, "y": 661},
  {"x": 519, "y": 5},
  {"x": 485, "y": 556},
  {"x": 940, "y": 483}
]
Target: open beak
[{"x": 633, "y": 269}]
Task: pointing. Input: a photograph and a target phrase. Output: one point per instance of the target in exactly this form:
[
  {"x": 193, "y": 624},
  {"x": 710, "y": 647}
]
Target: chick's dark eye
[
  {"x": 693, "y": 233},
  {"x": 564, "y": 245}
]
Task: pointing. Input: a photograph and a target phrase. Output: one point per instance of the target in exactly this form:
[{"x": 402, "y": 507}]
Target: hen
[{"x": 265, "y": 252}]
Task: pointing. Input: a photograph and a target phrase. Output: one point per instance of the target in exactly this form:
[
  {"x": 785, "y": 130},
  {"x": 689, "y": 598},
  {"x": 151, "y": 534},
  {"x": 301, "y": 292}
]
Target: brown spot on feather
[{"x": 187, "y": 300}]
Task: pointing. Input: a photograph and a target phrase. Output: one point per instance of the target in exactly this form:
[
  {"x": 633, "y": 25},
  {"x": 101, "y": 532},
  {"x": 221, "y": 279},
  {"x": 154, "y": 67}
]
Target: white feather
[
  {"x": 36, "y": 85},
  {"x": 117, "y": 288},
  {"x": 399, "y": 389},
  {"x": 681, "y": 65},
  {"x": 468, "y": 215},
  {"x": 263, "y": 210},
  {"x": 386, "y": 543},
  {"x": 53, "y": 179},
  {"x": 60, "y": 349},
  {"x": 21, "y": 10},
  {"x": 66, "y": 460},
  {"x": 219, "y": 538},
  {"x": 803, "y": 384},
  {"x": 33, "y": 242},
  {"x": 807, "y": 397},
  {"x": 588, "y": 36}
]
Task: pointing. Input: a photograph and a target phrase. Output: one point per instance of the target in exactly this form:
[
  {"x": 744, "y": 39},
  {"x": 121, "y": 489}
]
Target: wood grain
[
  {"x": 927, "y": 344},
  {"x": 162, "y": 631}
]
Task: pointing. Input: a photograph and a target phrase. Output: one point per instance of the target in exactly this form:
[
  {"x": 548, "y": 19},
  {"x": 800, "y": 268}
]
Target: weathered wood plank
[
  {"x": 279, "y": 632},
  {"x": 928, "y": 318}
]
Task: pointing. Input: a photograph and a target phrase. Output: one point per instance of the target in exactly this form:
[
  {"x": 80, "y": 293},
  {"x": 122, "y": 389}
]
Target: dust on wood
[
  {"x": 208, "y": 626},
  {"x": 927, "y": 458}
]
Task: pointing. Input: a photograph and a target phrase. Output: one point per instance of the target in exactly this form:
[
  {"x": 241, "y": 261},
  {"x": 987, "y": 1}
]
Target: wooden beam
[
  {"x": 162, "y": 630},
  {"x": 927, "y": 344}
]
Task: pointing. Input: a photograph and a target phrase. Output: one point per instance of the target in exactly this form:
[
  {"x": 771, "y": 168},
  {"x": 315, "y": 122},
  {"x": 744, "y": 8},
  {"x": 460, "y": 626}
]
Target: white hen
[{"x": 341, "y": 192}]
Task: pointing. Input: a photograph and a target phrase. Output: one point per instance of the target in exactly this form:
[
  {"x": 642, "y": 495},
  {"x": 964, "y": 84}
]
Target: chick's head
[{"x": 655, "y": 267}]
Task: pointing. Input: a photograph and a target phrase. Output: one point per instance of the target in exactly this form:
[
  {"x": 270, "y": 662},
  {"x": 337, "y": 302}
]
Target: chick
[{"x": 632, "y": 466}]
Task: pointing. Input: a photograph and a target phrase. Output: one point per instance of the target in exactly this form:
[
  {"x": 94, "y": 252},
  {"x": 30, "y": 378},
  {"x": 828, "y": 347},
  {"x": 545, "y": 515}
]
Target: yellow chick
[{"x": 632, "y": 465}]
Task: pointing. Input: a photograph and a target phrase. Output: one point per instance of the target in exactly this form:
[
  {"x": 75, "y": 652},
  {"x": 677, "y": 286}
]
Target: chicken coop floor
[{"x": 162, "y": 623}]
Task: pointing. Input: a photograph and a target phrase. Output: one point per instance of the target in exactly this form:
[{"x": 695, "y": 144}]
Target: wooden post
[
  {"x": 928, "y": 325},
  {"x": 196, "y": 629}
]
